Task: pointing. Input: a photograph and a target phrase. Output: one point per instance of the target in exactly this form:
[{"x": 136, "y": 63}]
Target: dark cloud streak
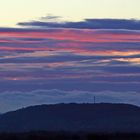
[{"x": 89, "y": 24}]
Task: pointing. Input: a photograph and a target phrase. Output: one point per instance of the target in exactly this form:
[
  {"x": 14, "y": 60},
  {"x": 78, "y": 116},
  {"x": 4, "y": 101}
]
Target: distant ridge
[{"x": 103, "y": 117}]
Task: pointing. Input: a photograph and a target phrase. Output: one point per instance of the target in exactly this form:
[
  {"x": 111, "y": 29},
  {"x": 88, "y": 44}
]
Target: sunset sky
[
  {"x": 54, "y": 51},
  {"x": 13, "y": 11}
]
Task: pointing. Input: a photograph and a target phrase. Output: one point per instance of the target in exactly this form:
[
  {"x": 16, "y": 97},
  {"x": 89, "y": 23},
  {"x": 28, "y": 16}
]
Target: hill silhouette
[{"x": 100, "y": 118}]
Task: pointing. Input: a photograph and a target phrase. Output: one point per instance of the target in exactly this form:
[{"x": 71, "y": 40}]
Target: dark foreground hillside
[
  {"x": 97, "y": 118},
  {"x": 67, "y": 136}
]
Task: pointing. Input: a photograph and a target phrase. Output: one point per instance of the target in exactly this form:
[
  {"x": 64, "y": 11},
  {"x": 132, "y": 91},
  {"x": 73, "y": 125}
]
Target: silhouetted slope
[{"x": 73, "y": 117}]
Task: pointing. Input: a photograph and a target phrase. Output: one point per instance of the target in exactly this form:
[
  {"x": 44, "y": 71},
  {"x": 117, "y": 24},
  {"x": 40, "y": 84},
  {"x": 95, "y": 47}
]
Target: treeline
[{"x": 67, "y": 136}]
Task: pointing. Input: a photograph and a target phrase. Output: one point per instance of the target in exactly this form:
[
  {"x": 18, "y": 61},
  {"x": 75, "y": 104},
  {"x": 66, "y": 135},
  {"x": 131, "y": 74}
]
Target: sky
[
  {"x": 13, "y": 11},
  {"x": 69, "y": 51}
]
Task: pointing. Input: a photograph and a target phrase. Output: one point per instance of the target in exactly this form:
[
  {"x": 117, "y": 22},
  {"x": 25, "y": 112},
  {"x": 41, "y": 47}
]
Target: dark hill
[{"x": 73, "y": 117}]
